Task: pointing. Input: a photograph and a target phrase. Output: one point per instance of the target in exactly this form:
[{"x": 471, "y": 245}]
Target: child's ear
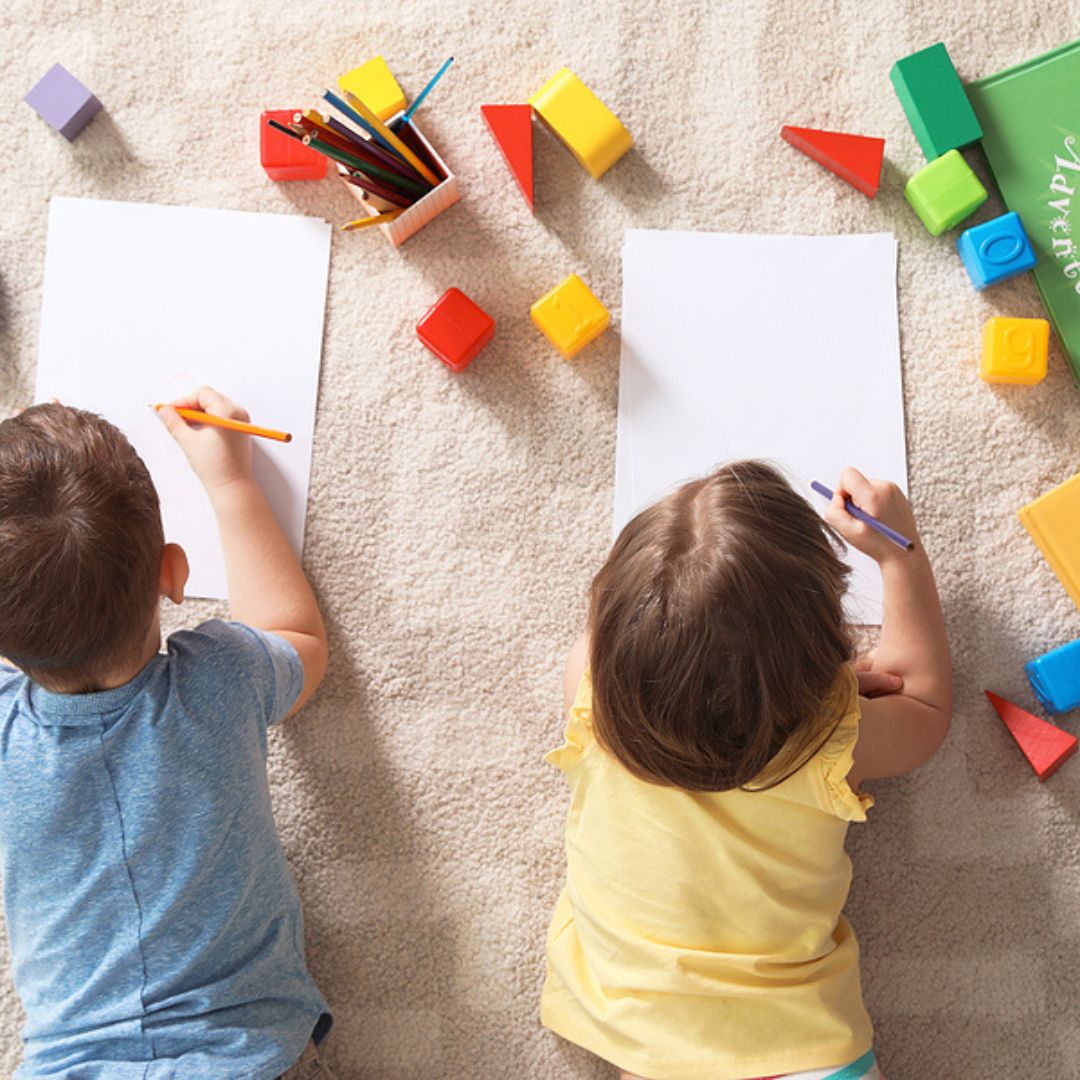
[{"x": 174, "y": 572}]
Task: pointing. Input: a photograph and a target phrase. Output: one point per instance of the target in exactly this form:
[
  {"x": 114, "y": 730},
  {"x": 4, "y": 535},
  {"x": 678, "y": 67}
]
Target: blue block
[
  {"x": 1055, "y": 677},
  {"x": 996, "y": 250}
]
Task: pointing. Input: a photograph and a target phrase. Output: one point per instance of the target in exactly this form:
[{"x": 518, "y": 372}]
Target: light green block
[{"x": 944, "y": 192}]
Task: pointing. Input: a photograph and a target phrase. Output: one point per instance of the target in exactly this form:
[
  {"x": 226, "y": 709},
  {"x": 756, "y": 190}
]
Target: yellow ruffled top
[{"x": 700, "y": 934}]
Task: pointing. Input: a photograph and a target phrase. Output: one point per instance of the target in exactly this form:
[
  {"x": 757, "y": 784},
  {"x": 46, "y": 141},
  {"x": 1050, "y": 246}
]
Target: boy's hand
[
  {"x": 880, "y": 499},
  {"x": 219, "y": 457}
]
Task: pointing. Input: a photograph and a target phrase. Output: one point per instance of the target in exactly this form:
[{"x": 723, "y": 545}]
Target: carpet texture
[{"x": 455, "y": 521}]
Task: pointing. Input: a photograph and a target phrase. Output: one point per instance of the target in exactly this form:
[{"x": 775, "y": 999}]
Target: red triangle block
[
  {"x": 1044, "y": 745},
  {"x": 511, "y": 126},
  {"x": 854, "y": 158}
]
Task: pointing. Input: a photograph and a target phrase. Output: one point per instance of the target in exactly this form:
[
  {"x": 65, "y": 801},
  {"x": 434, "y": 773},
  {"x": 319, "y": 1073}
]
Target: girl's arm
[
  {"x": 900, "y": 731},
  {"x": 576, "y": 662}
]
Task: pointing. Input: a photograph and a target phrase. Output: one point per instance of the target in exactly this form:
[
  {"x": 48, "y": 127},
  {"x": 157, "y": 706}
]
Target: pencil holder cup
[{"x": 440, "y": 198}]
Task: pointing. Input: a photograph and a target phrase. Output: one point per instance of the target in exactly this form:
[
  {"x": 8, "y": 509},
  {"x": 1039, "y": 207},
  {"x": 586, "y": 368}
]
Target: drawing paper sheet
[
  {"x": 778, "y": 347},
  {"x": 143, "y": 303}
]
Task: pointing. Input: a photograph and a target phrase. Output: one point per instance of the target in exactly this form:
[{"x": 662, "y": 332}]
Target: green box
[
  {"x": 1031, "y": 118},
  {"x": 933, "y": 98},
  {"x": 944, "y": 192}
]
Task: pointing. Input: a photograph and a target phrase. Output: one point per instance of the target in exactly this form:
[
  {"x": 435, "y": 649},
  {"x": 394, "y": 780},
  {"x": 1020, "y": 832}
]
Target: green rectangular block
[
  {"x": 1031, "y": 116},
  {"x": 933, "y": 98},
  {"x": 944, "y": 192}
]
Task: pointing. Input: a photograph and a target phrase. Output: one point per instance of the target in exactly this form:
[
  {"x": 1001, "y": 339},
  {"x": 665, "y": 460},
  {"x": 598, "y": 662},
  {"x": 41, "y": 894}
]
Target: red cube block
[
  {"x": 455, "y": 329},
  {"x": 284, "y": 158}
]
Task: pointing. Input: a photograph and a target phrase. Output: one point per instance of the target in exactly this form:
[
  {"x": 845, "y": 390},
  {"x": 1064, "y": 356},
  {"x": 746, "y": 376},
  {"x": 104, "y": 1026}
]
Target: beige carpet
[{"x": 455, "y": 520}]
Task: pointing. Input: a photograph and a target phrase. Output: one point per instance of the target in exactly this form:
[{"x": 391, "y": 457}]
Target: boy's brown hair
[
  {"x": 80, "y": 547},
  {"x": 717, "y": 633}
]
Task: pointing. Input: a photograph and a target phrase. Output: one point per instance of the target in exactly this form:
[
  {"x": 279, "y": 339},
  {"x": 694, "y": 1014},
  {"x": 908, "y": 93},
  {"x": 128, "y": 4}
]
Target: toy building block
[
  {"x": 511, "y": 127},
  {"x": 570, "y": 316},
  {"x": 455, "y": 329},
  {"x": 996, "y": 250},
  {"x": 935, "y": 102},
  {"x": 1055, "y": 677},
  {"x": 1053, "y": 522},
  {"x": 284, "y": 158},
  {"x": 589, "y": 128},
  {"x": 944, "y": 192},
  {"x": 1014, "y": 350},
  {"x": 374, "y": 84},
  {"x": 854, "y": 158},
  {"x": 1044, "y": 745},
  {"x": 63, "y": 102}
]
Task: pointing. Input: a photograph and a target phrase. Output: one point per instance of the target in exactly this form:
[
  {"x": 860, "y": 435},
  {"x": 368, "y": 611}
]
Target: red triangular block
[
  {"x": 1044, "y": 745},
  {"x": 854, "y": 158},
  {"x": 511, "y": 125}
]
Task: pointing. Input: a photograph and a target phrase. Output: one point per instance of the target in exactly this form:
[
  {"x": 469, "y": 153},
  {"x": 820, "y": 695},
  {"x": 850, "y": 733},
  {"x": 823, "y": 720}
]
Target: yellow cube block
[
  {"x": 376, "y": 87},
  {"x": 570, "y": 316},
  {"x": 1014, "y": 350},
  {"x": 587, "y": 126}
]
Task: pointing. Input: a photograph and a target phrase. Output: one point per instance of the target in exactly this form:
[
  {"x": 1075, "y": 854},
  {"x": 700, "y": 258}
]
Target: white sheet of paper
[
  {"x": 779, "y": 347},
  {"x": 143, "y": 303}
]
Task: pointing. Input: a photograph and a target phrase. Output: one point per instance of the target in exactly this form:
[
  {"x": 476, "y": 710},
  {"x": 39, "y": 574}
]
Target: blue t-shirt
[{"x": 155, "y": 928}]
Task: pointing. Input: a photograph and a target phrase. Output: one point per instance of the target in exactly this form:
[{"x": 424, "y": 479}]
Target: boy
[{"x": 155, "y": 929}]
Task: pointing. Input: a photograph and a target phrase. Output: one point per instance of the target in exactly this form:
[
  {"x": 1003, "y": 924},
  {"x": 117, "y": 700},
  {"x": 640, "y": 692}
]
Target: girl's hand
[
  {"x": 877, "y": 683},
  {"x": 219, "y": 457},
  {"x": 874, "y": 683},
  {"x": 879, "y": 499}
]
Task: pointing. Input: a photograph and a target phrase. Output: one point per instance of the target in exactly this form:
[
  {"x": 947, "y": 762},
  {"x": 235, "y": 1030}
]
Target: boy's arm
[
  {"x": 900, "y": 731},
  {"x": 267, "y": 587}
]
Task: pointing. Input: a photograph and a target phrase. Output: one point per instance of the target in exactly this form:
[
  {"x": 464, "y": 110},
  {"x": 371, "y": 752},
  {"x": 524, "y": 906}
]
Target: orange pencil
[{"x": 197, "y": 417}]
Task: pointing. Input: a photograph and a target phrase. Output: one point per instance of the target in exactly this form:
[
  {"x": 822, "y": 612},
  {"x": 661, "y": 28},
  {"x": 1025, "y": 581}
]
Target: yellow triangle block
[
  {"x": 1053, "y": 520},
  {"x": 376, "y": 87}
]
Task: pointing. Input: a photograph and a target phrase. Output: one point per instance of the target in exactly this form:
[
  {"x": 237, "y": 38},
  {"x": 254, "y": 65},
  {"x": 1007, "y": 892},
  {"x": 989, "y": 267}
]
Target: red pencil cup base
[
  {"x": 455, "y": 329},
  {"x": 284, "y": 158},
  {"x": 410, "y": 221}
]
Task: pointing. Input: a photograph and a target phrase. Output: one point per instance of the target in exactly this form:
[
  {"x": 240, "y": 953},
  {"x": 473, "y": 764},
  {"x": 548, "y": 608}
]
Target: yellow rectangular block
[
  {"x": 374, "y": 84},
  {"x": 570, "y": 316},
  {"x": 589, "y": 128},
  {"x": 1014, "y": 350},
  {"x": 1053, "y": 520}
]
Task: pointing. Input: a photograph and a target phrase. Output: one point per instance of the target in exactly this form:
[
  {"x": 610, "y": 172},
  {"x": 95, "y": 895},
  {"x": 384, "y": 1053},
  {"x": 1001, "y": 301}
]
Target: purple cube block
[{"x": 63, "y": 102}]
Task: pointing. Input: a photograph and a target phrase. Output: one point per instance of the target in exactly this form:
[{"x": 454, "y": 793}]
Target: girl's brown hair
[
  {"x": 717, "y": 632},
  {"x": 80, "y": 547}
]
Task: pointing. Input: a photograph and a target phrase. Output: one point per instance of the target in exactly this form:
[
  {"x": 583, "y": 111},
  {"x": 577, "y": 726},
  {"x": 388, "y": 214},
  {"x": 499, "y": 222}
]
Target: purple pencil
[{"x": 897, "y": 538}]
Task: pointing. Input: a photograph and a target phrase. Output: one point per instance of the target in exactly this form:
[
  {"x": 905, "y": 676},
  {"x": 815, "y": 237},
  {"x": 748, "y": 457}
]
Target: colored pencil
[
  {"x": 376, "y": 219},
  {"x": 197, "y": 417},
  {"x": 368, "y": 148},
  {"x": 356, "y": 118},
  {"x": 397, "y": 144},
  {"x": 305, "y": 127},
  {"x": 424, "y": 93},
  {"x": 372, "y": 187},
  {"x": 897, "y": 538},
  {"x": 316, "y": 142}
]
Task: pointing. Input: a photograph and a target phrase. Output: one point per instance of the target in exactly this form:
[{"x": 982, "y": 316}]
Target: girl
[{"x": 715, "y": 749}]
